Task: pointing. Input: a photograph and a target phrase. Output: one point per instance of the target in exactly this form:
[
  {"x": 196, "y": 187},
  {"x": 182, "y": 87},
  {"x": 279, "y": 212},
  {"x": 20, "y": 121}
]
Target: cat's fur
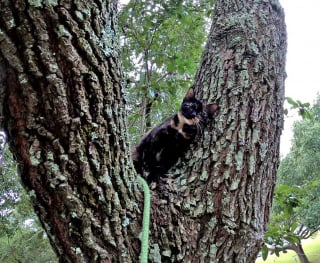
[{"x": 160, "y": 148}]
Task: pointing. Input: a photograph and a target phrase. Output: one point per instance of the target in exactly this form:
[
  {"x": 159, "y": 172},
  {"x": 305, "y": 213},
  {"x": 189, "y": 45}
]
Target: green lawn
[{"x": 311, "y": 247}]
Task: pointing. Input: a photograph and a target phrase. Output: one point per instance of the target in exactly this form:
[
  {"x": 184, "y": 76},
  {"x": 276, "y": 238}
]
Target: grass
[{"x": 311, "y": 247}]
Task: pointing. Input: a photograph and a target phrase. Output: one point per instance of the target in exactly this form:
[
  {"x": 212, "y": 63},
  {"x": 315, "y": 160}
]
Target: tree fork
[{"x": 63, "y": 112}]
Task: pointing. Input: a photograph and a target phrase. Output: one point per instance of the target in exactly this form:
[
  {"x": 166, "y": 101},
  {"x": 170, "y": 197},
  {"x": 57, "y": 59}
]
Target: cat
[{"x": 161, "y": 147}]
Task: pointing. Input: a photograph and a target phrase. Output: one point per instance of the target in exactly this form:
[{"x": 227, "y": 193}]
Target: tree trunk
[
  {"x": 297, "y": 247},
  {"x": 64, "y": 114},
  {"x": 219, "y": 205},
  {"x": 301, "y": 254},
  {"x": 65, "y": 120}
]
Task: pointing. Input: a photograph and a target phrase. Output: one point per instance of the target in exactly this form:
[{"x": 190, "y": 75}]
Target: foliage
[
  {"x": 288, "y": 224},
  {"x": 27, "y": 246},
  {"x": 21, "y": 237},
  {"x": 311, "y": 248},
  {"x": 12, "y": 206},
  {"x": 161, "y": 49},
  {"x": 296, "y": 208},
  {"x": 302, "y": 108}
]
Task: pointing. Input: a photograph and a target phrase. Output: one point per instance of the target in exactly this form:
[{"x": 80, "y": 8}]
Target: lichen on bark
[
  {"x": 243, "y": 70},
  {"x": 65, "y": 120}
]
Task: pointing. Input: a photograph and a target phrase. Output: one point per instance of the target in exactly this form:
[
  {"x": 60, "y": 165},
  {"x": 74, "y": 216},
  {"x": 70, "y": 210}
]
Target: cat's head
[{"x": 192, "y": 107}]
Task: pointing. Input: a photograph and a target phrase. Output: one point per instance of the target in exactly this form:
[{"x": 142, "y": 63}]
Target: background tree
[
  {"x": 296, "y": 211},
  {"x": 289, "y": 224},
  {"x": 64, "y": 114},
  {"x": 21, "y": 236}
]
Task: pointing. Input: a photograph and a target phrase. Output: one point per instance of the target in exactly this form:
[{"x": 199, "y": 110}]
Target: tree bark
[
  {"x": 297, "y": 247},
  {"x": 64, "y": 114},
  {"x": 65, "y": 120},
  {"x": 219, "y": 205},
  {"x": 301, "y": 254}
]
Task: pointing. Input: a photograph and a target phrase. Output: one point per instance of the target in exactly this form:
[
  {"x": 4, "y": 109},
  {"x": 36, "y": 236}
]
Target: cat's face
[{"x": 191, "y": 108}]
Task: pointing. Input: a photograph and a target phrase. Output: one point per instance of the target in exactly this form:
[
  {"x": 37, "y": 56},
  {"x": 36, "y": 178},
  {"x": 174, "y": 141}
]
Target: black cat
[{"x": 161, "y": 147}]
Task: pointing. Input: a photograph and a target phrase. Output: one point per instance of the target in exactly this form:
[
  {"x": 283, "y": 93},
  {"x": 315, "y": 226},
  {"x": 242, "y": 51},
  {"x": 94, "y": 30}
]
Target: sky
[{"x": 303, "y": 58}]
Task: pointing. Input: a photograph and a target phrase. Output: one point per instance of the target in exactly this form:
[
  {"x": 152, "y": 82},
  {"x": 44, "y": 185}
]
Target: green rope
[{"x": 145, "y": 221}]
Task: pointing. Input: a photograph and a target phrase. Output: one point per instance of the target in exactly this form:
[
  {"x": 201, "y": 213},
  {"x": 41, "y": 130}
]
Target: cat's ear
[
  {"x": 190, "y": 94},
  {"x": 211, "y": 109}
]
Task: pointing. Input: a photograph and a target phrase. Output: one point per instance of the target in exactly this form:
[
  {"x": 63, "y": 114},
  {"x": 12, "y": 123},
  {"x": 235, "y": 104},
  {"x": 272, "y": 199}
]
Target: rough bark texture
[
  {"x": 219, "y": 205},
  {"x": 65, "y": 119},
  {"x": 64, "y": 114}
]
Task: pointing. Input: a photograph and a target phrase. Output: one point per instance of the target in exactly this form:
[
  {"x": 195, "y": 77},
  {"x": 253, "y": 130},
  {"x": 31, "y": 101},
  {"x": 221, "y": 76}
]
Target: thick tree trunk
[
  {"x": 65, "y": 120},
  {"x": 219, "y": 205},
  {"x": 64, "y": 114}
]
